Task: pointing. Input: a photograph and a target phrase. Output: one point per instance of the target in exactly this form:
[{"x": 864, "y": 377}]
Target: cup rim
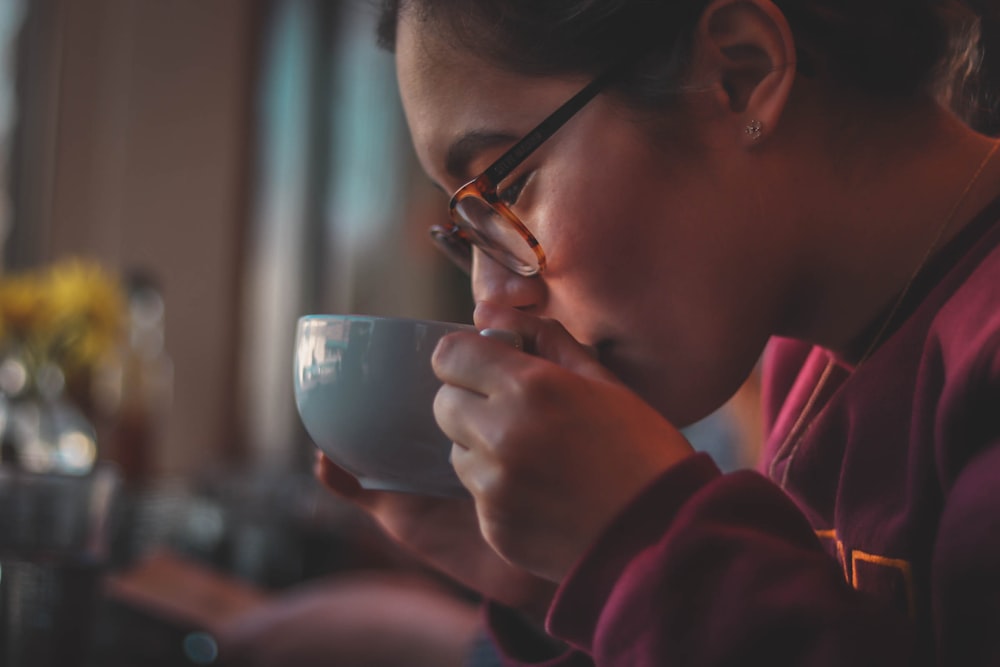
[{"x": 326, "y": 317}]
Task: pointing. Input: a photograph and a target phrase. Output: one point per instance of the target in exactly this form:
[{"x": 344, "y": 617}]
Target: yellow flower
[
  {"x": 70, "y": 313},
  {"x": 22, "y": 305},
  {"x": 85, "y": 310}
]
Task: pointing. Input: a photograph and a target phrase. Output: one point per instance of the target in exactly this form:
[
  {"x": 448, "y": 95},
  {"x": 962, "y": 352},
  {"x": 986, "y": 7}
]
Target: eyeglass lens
[
  {"x": 454, "y": 246},
  {"x": 496, "y": 235}
]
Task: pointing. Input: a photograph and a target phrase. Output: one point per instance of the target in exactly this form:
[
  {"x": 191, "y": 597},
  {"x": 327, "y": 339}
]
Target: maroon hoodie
[{"x": 872, "y": 540}]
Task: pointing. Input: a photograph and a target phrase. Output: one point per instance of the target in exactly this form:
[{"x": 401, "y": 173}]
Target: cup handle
[{"x": 507, "y": 336}]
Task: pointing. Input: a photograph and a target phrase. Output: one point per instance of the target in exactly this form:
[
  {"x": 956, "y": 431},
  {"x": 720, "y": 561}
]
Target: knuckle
[
  {"x": 443, "y": 400},
  {"x": 446, "y": 407},
  {"x": 479, "y": 480},
  {"x": 460, "y": 462},
  {"x": 502, "y": 532},
  {"x": 534, "y": 385}
]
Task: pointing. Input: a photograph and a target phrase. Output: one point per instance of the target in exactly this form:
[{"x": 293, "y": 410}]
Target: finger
[
  {"x": 477, "y": 363},
  {"x": 544, "y": 337},
  {"x": 460, "y": 414},
  {"x": 383, "y": 505},
  {"x": 468, "y": 469},
  {"x": 339, "y": 481}
]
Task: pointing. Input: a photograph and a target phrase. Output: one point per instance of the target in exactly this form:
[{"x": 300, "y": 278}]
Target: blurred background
[
  {"x": 231, "y": 164},
  {"x": 195, "y": 175},
  {"x": 249, "y": 158}
]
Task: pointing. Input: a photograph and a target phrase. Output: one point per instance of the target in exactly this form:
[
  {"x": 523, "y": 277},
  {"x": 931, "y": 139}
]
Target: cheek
[
  {"x": 597, "y": 208},
  {"x": 651, "y": 271},
  {"x": 606, "y": 256},
  {"x": 609, "y": 229}
]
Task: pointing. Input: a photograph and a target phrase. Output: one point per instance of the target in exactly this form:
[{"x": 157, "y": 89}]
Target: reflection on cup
[{"x": 54, "y": 544}]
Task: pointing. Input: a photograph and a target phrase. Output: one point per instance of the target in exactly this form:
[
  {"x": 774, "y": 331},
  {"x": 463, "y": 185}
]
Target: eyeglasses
[{"x": 480, "y": 216}]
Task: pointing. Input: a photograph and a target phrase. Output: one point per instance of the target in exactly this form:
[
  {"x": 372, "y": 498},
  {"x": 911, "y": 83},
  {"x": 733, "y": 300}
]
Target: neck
[{"x": 872, "y": 227}]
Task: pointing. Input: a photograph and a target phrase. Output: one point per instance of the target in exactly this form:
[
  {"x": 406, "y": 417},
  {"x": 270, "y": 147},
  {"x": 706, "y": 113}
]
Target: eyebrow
[{"x": 470, "y": 144}]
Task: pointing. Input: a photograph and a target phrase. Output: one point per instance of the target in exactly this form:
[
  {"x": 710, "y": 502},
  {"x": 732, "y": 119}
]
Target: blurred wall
[
  {"x": 136, "y": 116},
  {"x": 340, "y": 210}
]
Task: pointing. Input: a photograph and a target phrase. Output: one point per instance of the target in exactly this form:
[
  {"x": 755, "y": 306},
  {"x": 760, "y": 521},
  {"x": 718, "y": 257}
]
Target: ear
[{"x": 746, "y": 48}]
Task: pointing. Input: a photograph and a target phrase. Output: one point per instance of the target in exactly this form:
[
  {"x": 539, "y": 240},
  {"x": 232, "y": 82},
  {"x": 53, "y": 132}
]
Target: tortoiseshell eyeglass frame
[{"x": 456, "y": 242}]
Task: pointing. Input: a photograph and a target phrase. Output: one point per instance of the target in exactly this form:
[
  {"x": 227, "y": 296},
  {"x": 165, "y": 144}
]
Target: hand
[
  {"x": 444, "y": 532},
  {"x": 550, "y": 444}
]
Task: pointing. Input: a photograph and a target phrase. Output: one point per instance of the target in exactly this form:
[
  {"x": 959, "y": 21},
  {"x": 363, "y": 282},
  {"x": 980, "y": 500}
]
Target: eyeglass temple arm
[{"x": 499, "y": 170}]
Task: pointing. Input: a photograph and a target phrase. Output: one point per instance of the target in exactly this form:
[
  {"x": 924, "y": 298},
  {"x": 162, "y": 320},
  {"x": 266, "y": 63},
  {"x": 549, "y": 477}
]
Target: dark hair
[{"x": 893, "y": 48}]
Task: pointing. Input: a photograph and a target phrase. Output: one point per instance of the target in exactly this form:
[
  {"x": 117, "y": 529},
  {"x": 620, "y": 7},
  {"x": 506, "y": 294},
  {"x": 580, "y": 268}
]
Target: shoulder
[
  {"x": 966, "y": 328},
  {"x": 962, "y": 362}
]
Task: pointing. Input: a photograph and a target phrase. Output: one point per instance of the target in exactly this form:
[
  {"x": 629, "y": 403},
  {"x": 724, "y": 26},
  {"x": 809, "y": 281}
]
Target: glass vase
[{"x": 41, "y": 429}]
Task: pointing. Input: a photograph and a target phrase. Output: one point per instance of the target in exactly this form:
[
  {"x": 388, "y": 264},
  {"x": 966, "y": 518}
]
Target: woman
[{"x": 728, "y": 176}]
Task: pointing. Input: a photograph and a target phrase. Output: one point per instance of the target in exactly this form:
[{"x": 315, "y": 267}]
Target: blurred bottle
[{"x": 133, "y": 391}]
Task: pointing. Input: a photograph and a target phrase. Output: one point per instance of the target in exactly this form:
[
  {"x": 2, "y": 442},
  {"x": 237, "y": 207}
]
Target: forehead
[{"x": 448, "y": 92}]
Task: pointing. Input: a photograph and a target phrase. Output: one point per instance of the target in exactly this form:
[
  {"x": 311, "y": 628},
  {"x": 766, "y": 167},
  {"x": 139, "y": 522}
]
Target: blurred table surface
[{"x": 189, "y": 554}]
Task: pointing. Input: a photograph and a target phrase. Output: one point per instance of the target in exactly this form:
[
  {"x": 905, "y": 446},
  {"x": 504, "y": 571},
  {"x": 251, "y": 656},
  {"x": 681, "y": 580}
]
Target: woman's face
[{"x": 653, "y": 247}]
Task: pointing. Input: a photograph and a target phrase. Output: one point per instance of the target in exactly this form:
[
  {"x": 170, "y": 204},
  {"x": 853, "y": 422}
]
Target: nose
[{"x": 492, "y": 281}]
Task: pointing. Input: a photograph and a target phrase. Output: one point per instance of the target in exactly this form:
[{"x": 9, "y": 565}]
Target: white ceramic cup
[{"x": 365, "y": 391}]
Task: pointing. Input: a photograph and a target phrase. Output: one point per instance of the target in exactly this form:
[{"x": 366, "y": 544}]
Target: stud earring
[{"x": 754, "y": 129}]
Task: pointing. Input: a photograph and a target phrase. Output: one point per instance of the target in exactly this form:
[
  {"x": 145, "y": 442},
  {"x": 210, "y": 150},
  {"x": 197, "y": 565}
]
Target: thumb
[{"x": 543, "y": 337}]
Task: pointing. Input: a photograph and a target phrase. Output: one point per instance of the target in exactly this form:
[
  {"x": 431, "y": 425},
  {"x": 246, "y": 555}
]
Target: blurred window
[
  {"x": 339, "y": 212},
  {"x": 11, "y": 20}
]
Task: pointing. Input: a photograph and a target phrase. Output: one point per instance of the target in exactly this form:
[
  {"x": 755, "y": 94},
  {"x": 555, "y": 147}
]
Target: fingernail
[{"x": 511, "y": 338}]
